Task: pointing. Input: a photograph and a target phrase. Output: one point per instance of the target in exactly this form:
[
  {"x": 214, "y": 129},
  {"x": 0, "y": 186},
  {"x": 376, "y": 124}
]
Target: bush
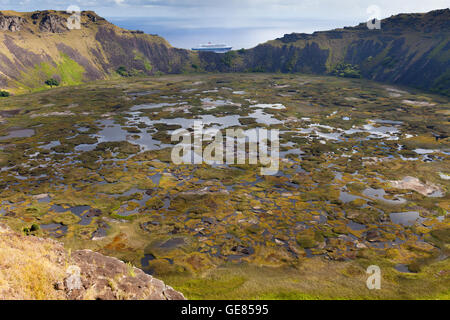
[
  {"x": 4, "y": 93},
  {"x": 52, "y": 82},
  {"x": 32, "y": 229},
  {"x": 228, "y": 57},
  {"x": 256, "y": 69},
  {"x": 122, "y": 71},
  {"x": 346, "y": 70}
]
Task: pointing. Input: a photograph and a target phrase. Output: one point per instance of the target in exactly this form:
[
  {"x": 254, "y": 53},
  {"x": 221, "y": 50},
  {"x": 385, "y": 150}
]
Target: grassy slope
[
  {"x": 47, "y": 60},
  {"x": 28, "y": 267}
]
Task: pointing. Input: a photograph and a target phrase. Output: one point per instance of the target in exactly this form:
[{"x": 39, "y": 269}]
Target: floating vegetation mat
[{"x": 362, "y": 180}]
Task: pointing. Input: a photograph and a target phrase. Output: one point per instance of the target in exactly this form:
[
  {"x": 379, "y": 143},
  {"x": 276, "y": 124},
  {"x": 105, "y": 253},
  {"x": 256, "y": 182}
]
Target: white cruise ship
[{"x": 217, "y": 48}]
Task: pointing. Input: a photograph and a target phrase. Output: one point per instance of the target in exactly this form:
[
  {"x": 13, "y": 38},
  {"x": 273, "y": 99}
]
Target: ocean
[{"x": 186, "y": 34}]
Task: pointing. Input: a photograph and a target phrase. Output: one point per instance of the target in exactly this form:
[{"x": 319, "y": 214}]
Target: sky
[{"x": 247, "y": 22}]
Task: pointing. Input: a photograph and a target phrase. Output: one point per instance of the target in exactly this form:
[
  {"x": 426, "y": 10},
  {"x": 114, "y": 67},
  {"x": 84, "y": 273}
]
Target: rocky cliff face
[
  {"x": 11, "y": 23},
  {"x": 52, "y": 23},
  {"x": 37, "y": 46},
  {"x": 36, "y": 268},
  {"x": 409, "y": 49},
  {"x": 136, "y": 51}
]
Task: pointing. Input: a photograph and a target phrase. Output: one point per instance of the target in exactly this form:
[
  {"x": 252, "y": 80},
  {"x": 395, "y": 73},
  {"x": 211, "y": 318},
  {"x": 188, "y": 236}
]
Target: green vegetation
[
  {"x": 67, "y": 70},
  {"x": 290, "y": 65},
  {"x": 124, "y": 72},
  {"x": 4, "y": 93},
  {"x": 52, "y": 82},
  {"x": 227, "y": 231},
  {"x": 32, "y": 229},
  {"x": 140, "y": 57},
  {"x": 228, "y": 58},
  {"x": 346, "y": 70},
  {"x": 257, "y": 69}
]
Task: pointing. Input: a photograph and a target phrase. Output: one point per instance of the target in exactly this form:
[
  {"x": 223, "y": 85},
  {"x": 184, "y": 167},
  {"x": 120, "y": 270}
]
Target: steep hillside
[
  {"x": 38, "y": 46},
  {"x": 409, "y": 49}
]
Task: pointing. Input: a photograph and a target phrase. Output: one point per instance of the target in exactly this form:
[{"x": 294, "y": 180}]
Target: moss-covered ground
[{"x": 90, "y": 165}]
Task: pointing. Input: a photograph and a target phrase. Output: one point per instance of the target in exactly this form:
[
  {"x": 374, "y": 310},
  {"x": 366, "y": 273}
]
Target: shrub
[
  {"x": 122, "y": 71},
  {"x": 30, "y": 230},
  {"x": 228, "y": 57},
  {"x": 346, "y": 70},
  {"x": 52, "y": 82},
  {"x": 4, "y": 93},
  {"x": 256, "y": 69}
]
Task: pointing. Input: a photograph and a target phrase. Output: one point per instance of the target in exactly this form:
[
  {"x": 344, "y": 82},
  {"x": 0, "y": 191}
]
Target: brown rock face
[
  {"x": 11, "y": 23},
  {"x": 412, "y": 183},
  {"x": 108, "y": 278},
  {"x": 53, "y": 23}
]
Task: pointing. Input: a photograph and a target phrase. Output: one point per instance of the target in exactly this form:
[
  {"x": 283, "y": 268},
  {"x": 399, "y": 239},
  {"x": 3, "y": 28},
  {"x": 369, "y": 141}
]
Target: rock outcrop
[
  {"x": 113, "y": 279},
  {"x": 427, "y": 189},
  {"x": 11, "y": 23},
  {"x": 36, "y": 268},
  {"x": 53, "y": 23}
]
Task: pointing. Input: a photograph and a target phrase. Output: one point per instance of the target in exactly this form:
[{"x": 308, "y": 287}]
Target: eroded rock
[
  {"x": 11, "y": 23},
  {"x": 427, "y": 189},
  {"x": 109, "y": 278},
  {"x": 53, "y": 23}
]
